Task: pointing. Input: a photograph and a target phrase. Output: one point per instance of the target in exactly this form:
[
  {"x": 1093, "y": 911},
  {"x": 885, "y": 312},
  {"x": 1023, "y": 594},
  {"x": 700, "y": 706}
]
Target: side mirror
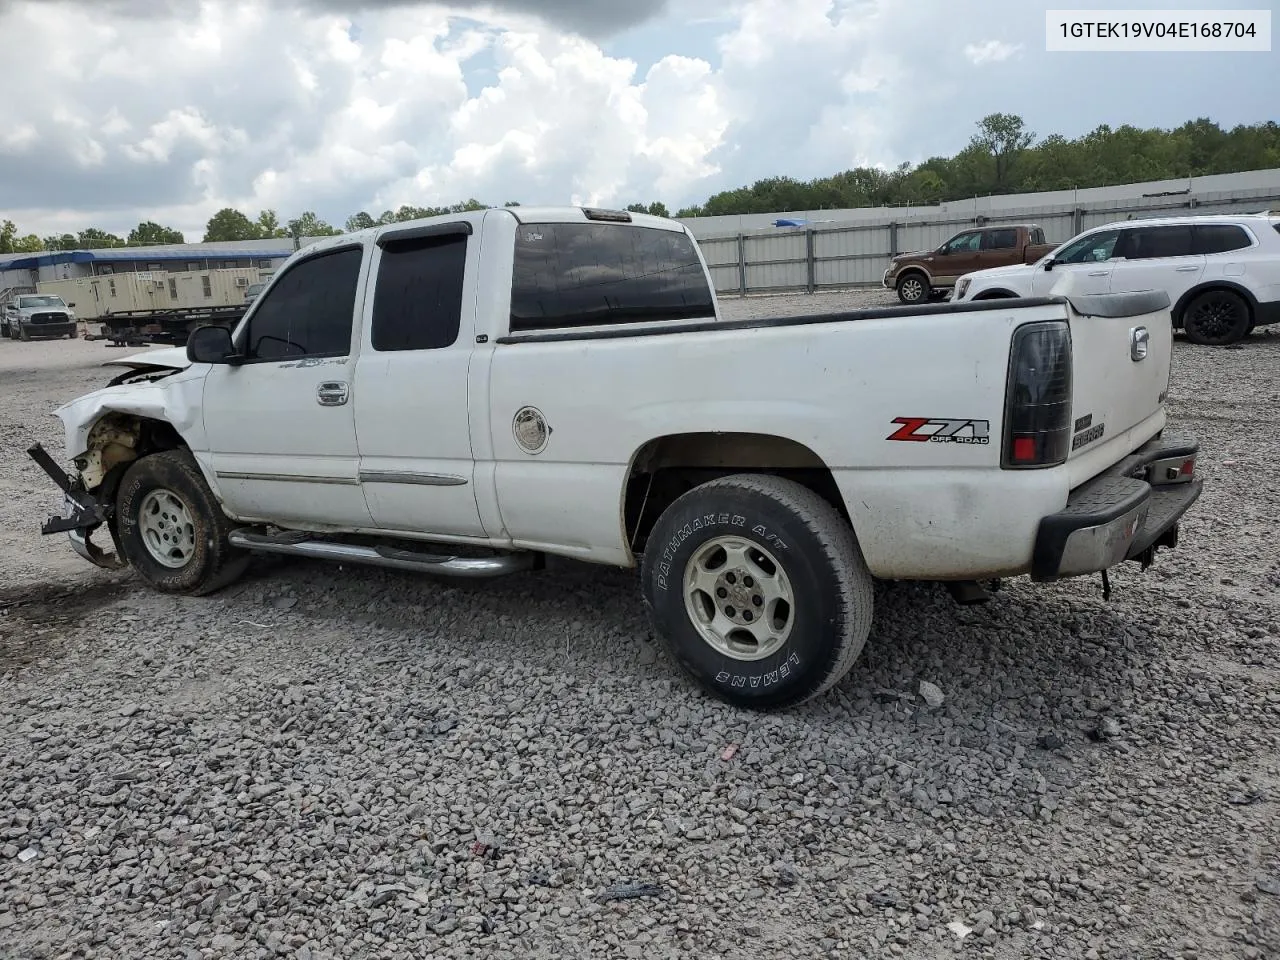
[
  {"x": 1048, "y": 264},
  {"x": 211, "y": 344},
  {"x": 71, "y": 306}
]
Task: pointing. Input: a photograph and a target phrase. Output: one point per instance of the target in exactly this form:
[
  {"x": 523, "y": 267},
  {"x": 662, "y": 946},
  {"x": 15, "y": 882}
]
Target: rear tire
[
  {"x": 913, "y": 288},
  {"x": 171, "y": 528},
  {"x": 756, "y": 587},
  {"x": 1216, "y": 318}
]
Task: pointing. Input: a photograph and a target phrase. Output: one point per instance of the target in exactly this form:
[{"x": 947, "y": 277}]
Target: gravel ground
[{"x": 331, "y": 762}]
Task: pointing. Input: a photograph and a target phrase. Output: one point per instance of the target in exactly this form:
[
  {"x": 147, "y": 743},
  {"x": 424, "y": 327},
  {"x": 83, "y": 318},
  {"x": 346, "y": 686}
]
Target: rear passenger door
[
  {"x": 1156, "y": 258},
  {"x": 412, "y": 411},
  {"x": 999, "y": 247}
]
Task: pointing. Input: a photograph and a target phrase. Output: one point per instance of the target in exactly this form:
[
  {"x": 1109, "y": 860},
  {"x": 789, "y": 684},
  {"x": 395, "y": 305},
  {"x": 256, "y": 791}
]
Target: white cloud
[
  {"x": 341, "y": 105},
  {"x": 990, "y": 51}
]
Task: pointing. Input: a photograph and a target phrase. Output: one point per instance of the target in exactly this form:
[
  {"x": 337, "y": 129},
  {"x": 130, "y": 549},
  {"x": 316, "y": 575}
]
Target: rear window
[
  {"x": 1220, "y": 238},
  {"x": 418, "y": 301},
  {"x": 1037, "y": 235},
  {"x": 1002, "y": 239},
  {"x": 586, "y": 274},
  {"x": 1147, "y": 243}
]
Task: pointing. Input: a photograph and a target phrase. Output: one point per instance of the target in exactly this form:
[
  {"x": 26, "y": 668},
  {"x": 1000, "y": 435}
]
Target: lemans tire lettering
[{"x": 758, "y": 681}]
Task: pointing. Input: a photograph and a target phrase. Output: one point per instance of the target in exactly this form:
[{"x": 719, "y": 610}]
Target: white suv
[{"x": 1222, "y": 273}]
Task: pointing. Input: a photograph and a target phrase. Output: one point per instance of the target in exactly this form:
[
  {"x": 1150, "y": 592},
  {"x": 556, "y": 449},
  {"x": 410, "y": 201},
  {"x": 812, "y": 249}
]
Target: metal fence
[{"x": 807, "y": 260}]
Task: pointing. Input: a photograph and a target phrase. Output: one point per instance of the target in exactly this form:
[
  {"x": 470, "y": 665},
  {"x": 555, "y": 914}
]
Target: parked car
[
  {"x": 251, "y": 292},
  {"x": 919, "y": 276},
  {"x": 31, "y": 316},
  {"x": 522, "y": 382},
  {"x": 1222, "y": 273}
]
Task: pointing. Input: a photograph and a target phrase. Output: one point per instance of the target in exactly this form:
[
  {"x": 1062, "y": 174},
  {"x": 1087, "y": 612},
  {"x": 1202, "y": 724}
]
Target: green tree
[
  {"x": 1003, "y": 136},
  {"x": 28, "y": 244},
  {"x": 91, "y": 238},
  {"x": 230, "y": 224},
  {"x": 66, "y": 241},
  {"x": 309, "y": 225},
  {"x": 268, "y": 225},
  {"x": 8, "y": 235},
  {"x": 360, "y": 221},
  {"x": 512, "y": 203},
  {"x": 151, "y": 232}
]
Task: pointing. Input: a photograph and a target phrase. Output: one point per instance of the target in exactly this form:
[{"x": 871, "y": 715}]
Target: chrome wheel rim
[
  {"x": 167, "y": 529},
  {"x": 912, "y": 289},
  {"x": 739, "y": 598}
]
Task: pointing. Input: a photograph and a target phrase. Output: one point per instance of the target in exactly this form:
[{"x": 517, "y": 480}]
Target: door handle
[
  {"x": 1099, "y": 273},
  {"x": 331, "y": 393},
  {"x": 1186, "y": 269}
]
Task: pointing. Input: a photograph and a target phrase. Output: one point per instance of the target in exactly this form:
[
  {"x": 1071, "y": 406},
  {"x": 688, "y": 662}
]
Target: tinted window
[
  {"x": 1001, "y": 239},
  {"x": 1037, "y": 235},
  {"x": 1220, "y": 238},
  {"x": 964, "y": 243},
  {"x": 307, "y": 313},
  {"x": 579, "y": 274},
  {"x": 418, "y": 302},
  {"x": 1146, "y": 243},
  {"x": 1090, "y": 249}
]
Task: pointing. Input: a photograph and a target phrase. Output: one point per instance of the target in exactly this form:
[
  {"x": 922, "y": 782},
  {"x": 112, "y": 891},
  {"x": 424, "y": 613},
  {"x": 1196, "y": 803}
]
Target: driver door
[
  {"x": 280, "y": 425},
  {"x": 1089, "y": 258},
  {"x": 960, "y": 255}
]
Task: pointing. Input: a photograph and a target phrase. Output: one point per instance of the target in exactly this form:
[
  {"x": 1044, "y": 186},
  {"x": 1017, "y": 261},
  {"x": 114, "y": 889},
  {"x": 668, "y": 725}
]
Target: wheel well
[
  {"x": 908, "y": 271},
  {"x": 668, "y": 467},
  {"x": 1242, "y": 292},
  {"x": 118, "y": 439},
  {"x": 995, "y": 295}
]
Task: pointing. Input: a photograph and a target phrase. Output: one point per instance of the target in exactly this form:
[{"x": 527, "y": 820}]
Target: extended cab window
[
  {"x": 1219, "y": 238},
  {"x": 308, "y": 312},
  {"x": 1001, "y": 239},
  {"x": 418, "y": 301},
  {"x": 964, "y": 243},
  {"x": 1149, "y": 243},
  {"x": 1090, "y": 249},
  {"x": 1037, "y": 235},
  {"x": 583, "y": 274}
]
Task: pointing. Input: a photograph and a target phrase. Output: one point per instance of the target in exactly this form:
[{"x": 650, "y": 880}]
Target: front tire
[
  {"x": 171, "y": 528},
  {"x": 913, "y": 288},
  {"x": 1216, "y": 318},
  {"x": 755, "y": 585}
]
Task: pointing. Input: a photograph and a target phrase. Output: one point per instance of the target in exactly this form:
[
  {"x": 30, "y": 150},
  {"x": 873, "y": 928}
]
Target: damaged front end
[{"x": 83, "y": 515}]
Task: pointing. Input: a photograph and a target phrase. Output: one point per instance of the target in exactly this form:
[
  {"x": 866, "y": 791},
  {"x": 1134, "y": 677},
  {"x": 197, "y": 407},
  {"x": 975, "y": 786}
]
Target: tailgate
[{"x": 1121, "y": 346}]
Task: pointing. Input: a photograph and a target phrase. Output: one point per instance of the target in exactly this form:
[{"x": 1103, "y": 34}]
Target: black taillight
[{"x": 1037, "y": 415}]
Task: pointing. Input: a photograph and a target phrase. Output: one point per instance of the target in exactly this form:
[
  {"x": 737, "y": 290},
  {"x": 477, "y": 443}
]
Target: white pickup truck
[{"x": 517, "y": 383}]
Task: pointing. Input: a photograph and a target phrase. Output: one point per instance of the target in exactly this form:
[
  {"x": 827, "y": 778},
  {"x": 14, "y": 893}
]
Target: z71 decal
[{"x": 938, "y": 430}]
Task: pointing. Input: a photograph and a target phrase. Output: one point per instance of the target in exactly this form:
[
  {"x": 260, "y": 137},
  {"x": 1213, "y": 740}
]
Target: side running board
[{"x": 300, "y": 545}]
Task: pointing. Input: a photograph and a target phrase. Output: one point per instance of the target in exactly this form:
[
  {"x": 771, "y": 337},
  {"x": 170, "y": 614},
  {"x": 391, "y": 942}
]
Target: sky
[{"x": 117, "y": 111}]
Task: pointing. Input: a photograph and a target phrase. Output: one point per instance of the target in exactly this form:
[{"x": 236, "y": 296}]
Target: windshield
[
  {"x": 27, "y": 302},
  {"x": 256, "y": 288}
]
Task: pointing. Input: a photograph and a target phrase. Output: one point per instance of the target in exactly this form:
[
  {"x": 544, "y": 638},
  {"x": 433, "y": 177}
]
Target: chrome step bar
[{"x": 301, "y": 545}]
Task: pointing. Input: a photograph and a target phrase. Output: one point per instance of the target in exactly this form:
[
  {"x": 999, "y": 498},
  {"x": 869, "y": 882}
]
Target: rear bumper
[{"x": 1124, "y": 513}]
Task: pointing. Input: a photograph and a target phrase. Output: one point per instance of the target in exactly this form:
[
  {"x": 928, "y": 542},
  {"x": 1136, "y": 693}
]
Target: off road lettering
[{"x": 941, "y": 430}]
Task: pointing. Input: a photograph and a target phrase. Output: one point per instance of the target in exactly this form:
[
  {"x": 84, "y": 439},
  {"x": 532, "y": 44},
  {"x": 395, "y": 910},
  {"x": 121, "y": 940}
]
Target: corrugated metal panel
[
  {"x": 776, "y": 276},
  {"x": 786, "y": 246},
  {"x": 725, "y": 279},
  {"x": 860, "y": 242},
  {"x": 848, "y": 272},
  {"x": 720, "y": 252}
]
